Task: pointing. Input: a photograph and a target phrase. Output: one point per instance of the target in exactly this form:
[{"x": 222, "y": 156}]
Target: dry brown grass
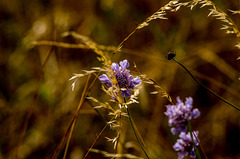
[{"x": 41, "y": 117}]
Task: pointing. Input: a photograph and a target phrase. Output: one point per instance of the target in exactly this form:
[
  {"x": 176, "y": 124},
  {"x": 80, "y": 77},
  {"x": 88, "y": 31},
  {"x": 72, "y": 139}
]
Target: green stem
[
  {"x": 194, "y": 146},
  {"x": 130, "y": 119},
  {"x": 135, "y": 133},
  {"x": 215, "y": 94}
]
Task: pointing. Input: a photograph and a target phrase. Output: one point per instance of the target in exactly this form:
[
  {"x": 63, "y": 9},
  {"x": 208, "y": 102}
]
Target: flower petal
[
  {"x": 115, "y": 66},
  {"x": 124, "y": 64},
  {"x": 136, "y": 81},
  {"x": 195, "y": 113},
  {"x": 104, "y": 79},
  {"x": 126, "y": 93}
]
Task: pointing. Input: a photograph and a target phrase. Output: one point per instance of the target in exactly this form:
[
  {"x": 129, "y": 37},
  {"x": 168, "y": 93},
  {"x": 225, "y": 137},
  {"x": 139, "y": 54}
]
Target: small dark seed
[{"x": 171, "y": 55}]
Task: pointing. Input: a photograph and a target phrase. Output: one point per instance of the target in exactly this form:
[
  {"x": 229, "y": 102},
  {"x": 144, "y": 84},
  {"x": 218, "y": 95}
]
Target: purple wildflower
[
  {"x": 180, "y": 114},
  {"x": 185, "y": 145},
  {"x": 125, "y": 81}
]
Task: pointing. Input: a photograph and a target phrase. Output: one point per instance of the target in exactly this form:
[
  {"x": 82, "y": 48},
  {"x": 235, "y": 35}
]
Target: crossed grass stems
[{"x": 172, "y": 6}]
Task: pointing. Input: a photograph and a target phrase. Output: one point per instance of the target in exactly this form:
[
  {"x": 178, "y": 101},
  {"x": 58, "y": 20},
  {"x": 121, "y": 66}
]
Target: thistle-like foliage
[
  {"x": 180, "y": 114},
  {"x": 184, "y": 145},
  {"x": 125, "y": 81}
]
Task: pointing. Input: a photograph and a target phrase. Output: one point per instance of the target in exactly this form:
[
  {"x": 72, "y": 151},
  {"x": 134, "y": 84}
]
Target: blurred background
[{"x": 36, "y": 100}]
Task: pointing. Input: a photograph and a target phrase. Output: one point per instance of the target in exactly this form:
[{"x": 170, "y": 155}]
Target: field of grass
[{"x": 47, "y": 47}]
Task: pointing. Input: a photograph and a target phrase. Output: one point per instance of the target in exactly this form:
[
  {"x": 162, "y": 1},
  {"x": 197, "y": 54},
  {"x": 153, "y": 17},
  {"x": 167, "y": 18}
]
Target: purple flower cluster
[
  {"x": 180, "y": 114},
  {"x": 178, "y": 117},
  {"x": 185, "y": 145},
  {"x": 125, "y": 81}
]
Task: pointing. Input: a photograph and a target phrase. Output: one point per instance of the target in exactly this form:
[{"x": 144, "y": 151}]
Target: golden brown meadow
[{"x": 44, "y": 43}]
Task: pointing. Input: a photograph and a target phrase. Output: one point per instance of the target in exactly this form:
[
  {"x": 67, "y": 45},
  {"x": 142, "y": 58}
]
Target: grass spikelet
[
  {"x": 105, "y": 105},
  {"x": 92, "y": 45},
  {"x": 171, "y": 6},
  {"x": 159, "y": 89},
  {"x": 228, "y": 24},
  {"x": 235, "y": 11}
]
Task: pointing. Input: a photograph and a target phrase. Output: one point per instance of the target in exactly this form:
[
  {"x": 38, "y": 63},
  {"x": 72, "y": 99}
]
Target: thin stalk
[
  {"x": 195, "y": 148},
  {"x": 215, "y": 94},
  {"x": 74, "y": 118},
  {"x": 119, "y": 147},
  {"x": 97, "y": 139},
  {"x": 73, "y": 124},
  {"x": 135, "y": 133},
  {"x": 69, "y": 138},
  {"x": 200, "y": 145},
  {"x": 121, "y": 44}
]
